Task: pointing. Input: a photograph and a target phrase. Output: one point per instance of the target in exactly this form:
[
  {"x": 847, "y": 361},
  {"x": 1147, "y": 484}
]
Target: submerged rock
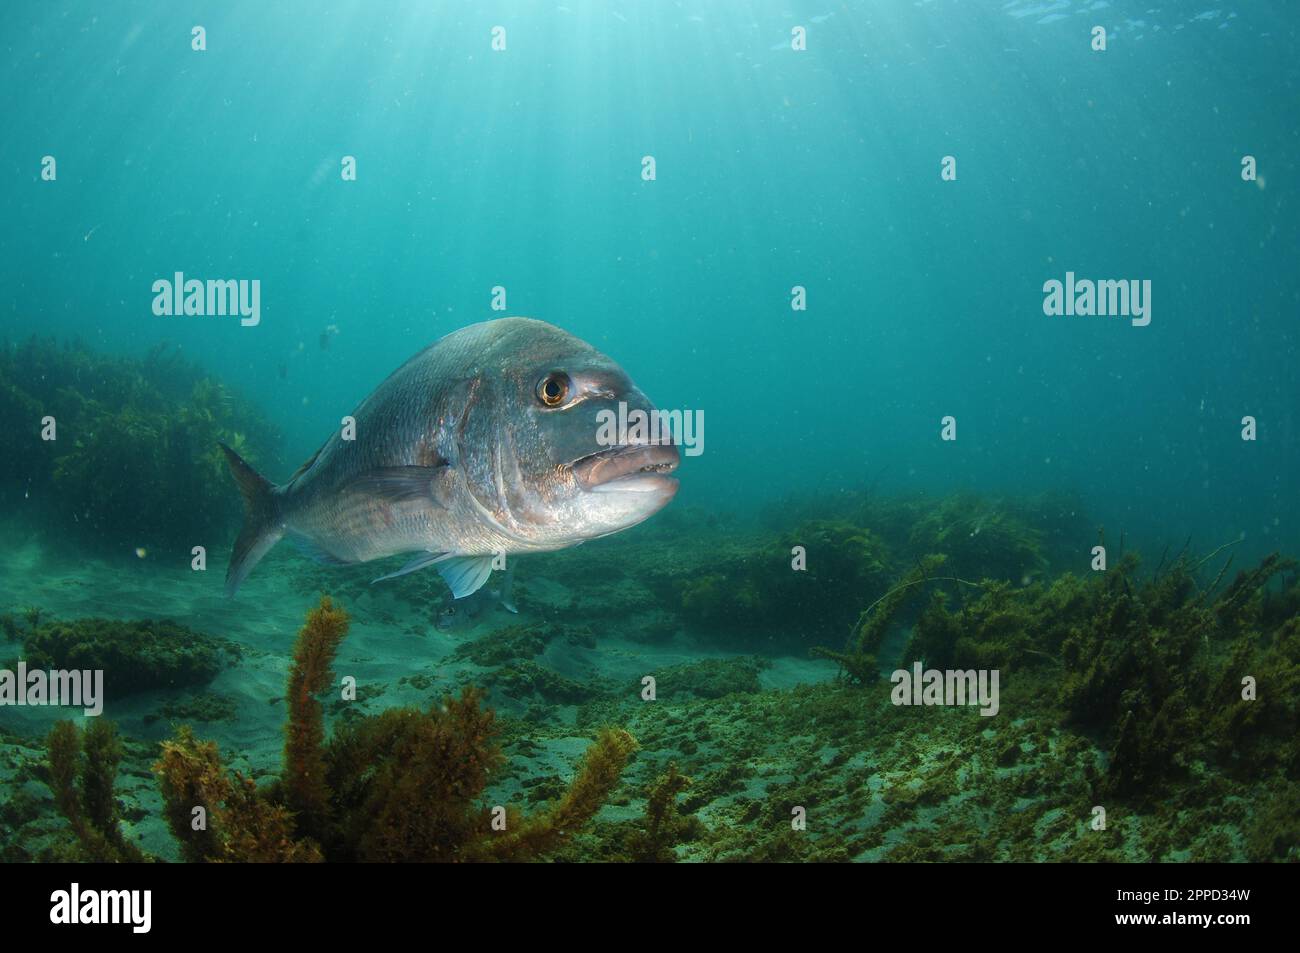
[{"x": 134, "y": 656}]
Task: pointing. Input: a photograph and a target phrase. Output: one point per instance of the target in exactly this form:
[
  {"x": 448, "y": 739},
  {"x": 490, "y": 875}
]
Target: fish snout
[{"x": 634, "y": 468}]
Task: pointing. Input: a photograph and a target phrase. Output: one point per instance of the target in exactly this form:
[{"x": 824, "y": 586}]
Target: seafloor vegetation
[
  {"x": 134, "y": 462},
  {"x": 1162, "y": 691},
  {"x": 1120, "y": 690},
  {"x": 403, "y": 785}
]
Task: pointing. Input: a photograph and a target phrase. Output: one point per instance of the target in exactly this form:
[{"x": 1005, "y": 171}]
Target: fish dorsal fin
[
  {"x": 419, "y": 562},
  {"x": 308, "y": 465},
  {"x": 466, "y": 574}
]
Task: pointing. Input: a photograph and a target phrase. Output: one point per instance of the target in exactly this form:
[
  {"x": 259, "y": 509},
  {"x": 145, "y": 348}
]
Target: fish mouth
[{"x": 629, "y": 469}]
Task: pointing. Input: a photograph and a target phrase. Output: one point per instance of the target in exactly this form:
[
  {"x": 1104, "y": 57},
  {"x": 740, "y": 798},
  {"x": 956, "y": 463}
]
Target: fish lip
[{"x": 636, "y": 468}]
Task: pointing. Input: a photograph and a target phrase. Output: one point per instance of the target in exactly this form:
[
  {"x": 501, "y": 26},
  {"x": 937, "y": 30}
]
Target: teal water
[
  {"x": 775, "y": 168},
  {"x": 819, "y": 168}
]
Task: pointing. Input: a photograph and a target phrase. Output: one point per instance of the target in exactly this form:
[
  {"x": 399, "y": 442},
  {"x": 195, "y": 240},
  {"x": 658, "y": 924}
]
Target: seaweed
[
  {"x": 754, "y": 587},
  {"x": 404, "y": 785},
  {"x": 997, "y": 626},
  {"x": 418, "y": 797},
  {"x": 219, "y": 817},
  {"x": 305, "y": 788},
  {"x": 663, "y": 827},
  {"x": 743, "y": 587},
  {"x": 134, "y": 656},
  {"x": 858, "y": 660},
  {"x": 509, "y": 644},
  {"x": 1275, "y": 833},
  {"x": 1153, "y": 666},
  {"x": 82, "y": 768},
  {"x": 136, "y": 456},
  {"x": 597, "y": 774},
  {"x": 739, "y": 587},
  {"x": 526, "y": 679},
  {"x": 980, "y": 537},
  {"x": 201, "y": 706},
  {"x": 711, "y": 678}
]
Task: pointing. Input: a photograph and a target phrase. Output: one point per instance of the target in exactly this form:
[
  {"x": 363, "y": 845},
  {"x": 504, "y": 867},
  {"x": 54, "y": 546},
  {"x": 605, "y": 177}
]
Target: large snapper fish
[{"x": 483, "y": 444}]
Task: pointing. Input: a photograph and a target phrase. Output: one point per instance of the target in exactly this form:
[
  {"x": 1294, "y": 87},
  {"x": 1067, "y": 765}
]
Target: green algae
[
  {"x": 135, "y": 462},
  {"x": 134, "y": 656},
  {"x": 1122, "y": 690},
  {"x": 527, "y": 678},
  {"x": 202, "y": 706},
  {"x": 710, "y": 678}
]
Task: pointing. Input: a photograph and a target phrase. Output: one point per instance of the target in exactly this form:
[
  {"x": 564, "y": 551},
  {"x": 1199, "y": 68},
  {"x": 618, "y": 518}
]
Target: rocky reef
[
  {"x": 134, "y": 656},
  {"x": 135, "y": 462}
]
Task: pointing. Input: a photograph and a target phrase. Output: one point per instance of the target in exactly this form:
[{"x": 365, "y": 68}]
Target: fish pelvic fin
[
  {"x": 465, "y": 574},
  {"x": 261, "y": 529}
]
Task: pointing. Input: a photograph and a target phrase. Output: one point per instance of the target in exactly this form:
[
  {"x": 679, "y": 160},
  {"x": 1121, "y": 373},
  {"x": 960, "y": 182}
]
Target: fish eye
[{"x": 553, "y": 388}]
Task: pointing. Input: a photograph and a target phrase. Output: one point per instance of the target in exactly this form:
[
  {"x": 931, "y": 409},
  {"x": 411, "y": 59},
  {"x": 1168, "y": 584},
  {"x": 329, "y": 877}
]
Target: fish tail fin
[{"x": 261, "y": 529}]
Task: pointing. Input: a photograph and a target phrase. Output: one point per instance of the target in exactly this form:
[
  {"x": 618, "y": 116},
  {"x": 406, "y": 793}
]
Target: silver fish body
[{"x": 482, "y": 445}]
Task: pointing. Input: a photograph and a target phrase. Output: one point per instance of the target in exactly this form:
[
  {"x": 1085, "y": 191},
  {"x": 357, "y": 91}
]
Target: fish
[
  {"x": 457, "y": 612},
  {"x": 482, "y": 446}
]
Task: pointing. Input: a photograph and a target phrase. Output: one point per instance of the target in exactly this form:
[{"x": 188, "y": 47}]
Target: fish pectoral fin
[
  {"x": 402, "y": 484},
  {"x": 419, "y": 562},
  {"x": 466, "y": 574}
]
